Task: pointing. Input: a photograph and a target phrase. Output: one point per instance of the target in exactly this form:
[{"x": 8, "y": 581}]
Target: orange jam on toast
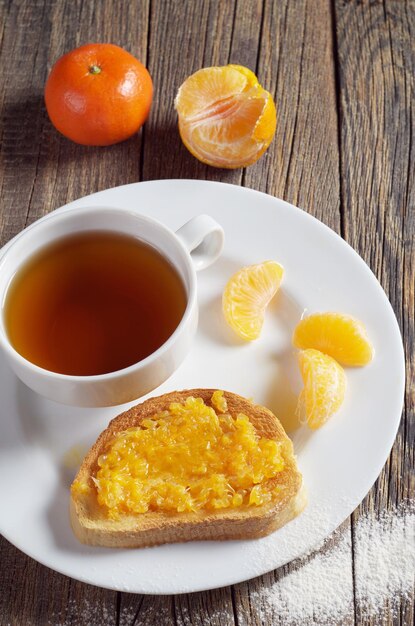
[{"x": 188, "y": 458}]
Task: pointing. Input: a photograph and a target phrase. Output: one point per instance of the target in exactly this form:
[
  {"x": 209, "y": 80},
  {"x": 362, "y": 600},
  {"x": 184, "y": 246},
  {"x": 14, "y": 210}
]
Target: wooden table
[{"x": 343, "y": 77}]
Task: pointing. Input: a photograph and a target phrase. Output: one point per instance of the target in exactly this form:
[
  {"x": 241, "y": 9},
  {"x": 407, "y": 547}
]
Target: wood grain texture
[
  {"x": 301, "y": 166},
  {"x": 376, "y": 68},
  {"x": 342, "y": 72}
]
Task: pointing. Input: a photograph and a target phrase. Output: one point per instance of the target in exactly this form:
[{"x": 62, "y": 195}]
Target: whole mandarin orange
[{"x": 98, "y": 94}]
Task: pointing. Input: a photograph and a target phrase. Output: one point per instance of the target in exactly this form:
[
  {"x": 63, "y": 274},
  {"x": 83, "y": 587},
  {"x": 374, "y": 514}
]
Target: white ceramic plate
[{"x": 40, "y": 440}]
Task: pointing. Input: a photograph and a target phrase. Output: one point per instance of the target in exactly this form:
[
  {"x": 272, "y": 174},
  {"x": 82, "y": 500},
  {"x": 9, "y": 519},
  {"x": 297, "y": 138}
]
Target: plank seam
[
  {"x": 29, "y": 205},
  {"x": 258, "y": 56},
  {"x": 118, "y": 609},
  {"x": 287, "y": 181},
  {"x": 234, "y": 610},
  {"x": 261, "y": 30},
  {"x": 408, "y": 170},
  {"x": 137, "y": 611},
  {"x": 173, "y": 606},
  {"x": 3, "y": 27},
  {"x": 69, "y": 591},
  {"x": 232, "y": 30},
  {"x": 205, "y": 38},
  {"x": 337, "y": 91},
  {"x": 147, "y": 63}
]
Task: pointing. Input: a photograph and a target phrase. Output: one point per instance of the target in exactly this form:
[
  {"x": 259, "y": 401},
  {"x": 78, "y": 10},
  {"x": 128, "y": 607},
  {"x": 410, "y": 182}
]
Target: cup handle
[{"x": 204, "y": 238}]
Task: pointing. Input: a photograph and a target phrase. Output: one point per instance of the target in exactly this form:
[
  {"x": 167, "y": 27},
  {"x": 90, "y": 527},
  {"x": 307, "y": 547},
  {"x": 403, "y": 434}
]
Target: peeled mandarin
[
  {"x": 341, "y": 336},
  {"x": 226, "y": 119},
  {"x": 324, "y": 387},
  {"x": 247, "y": 295}
]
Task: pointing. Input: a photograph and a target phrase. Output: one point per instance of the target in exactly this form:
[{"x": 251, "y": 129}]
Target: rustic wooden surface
[{"x": 343, "y": 77}]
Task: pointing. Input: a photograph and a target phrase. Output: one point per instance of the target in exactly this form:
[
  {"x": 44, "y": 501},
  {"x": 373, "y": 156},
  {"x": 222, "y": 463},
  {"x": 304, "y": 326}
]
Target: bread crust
[{"x": 91, "y": 525}]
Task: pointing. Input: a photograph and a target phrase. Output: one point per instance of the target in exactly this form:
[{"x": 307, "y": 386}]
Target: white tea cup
[{"x": 194, "y": 246}]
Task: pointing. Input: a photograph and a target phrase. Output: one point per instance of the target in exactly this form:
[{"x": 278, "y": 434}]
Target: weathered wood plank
[
  {"x": 22, "y": 118},
  {"x": 41, "y": 170},
  {"x": 376, "y": 69},
  {"x": 296, "y": 63}
]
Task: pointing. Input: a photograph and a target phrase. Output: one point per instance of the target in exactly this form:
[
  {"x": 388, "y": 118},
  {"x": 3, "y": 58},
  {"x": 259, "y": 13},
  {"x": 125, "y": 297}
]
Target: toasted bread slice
[{"x": 92, "y": 526}]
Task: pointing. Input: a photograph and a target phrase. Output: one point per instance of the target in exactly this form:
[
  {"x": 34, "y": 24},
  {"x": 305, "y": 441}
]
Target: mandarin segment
[
  {"x": 324, "y": 387},
  {"x": 204, "y": 89},
  {"x": 226, "y": 119},
  {"x": 340, "y": 336},
  {"x": 251, "y": 78},
  {"x": 247, "y": 295}
]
